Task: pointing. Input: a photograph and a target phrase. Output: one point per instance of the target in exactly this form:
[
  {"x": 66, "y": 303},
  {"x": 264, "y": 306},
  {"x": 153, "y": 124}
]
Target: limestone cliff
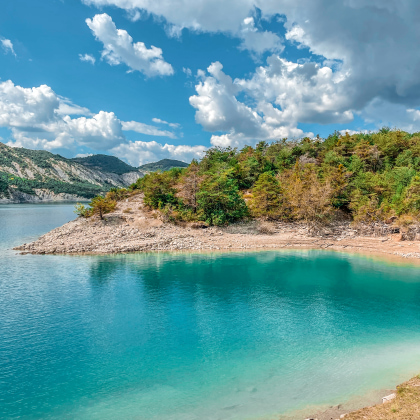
[{"x": 35, "y": 175}]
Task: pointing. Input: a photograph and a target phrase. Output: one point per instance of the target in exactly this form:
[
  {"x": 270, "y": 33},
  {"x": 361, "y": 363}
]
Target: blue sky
[{"x": 81, "y": 76}]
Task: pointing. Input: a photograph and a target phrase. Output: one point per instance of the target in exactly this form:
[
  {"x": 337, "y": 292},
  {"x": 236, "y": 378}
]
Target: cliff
[{"x": 37, "y": 175}]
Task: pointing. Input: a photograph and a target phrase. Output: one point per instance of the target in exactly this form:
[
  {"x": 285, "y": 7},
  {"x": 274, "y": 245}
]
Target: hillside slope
[
  {"x": 105, "y": 163},
  {"x": 163, "y": 165},
  {"x": 37, "y": 175}
]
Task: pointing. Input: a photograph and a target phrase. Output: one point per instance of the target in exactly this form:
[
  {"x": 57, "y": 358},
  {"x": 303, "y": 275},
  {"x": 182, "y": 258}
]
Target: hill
[
  {"x": 372, "y": 178},
  {"x": 105, "y": 163},
  {"x": 163, "y": 165},
  {"x": 37, "y": 175}
]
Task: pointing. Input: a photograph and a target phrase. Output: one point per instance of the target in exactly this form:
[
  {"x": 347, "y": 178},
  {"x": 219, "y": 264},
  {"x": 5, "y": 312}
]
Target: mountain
[
  {"x": 105, "y": 163},
  {"x": 163, "y": 165},
  {"x": 37, "y": 175}
]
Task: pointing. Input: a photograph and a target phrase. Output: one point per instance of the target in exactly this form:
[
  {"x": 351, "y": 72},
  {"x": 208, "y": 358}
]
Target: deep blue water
[{"x": 195, "y": 336}]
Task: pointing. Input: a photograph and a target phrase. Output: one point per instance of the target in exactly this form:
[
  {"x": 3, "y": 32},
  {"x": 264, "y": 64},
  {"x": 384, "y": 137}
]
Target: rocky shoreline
[{"x": 133, "y": 228}]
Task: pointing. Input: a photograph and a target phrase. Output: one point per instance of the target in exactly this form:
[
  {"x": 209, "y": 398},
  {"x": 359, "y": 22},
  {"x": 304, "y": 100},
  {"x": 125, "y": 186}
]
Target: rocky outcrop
[
  {"x": 45, "y": 196},
  {"x": 38, "y": 172}
]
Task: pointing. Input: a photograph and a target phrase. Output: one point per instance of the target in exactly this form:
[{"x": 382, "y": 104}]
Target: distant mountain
[
  {"x": 163, "y": 165},
  {"x": 105, "y": 163},
  {"x": 37, "y": 175}
]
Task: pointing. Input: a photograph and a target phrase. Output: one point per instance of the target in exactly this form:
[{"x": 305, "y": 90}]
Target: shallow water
[{"x": 195, "y": 336}]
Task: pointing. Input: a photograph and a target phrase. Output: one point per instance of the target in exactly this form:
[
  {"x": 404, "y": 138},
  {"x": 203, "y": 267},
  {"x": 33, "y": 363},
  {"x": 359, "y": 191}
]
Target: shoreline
[
  {"x": 134, "y": 228},
  {"x": 402, "y": 403}
]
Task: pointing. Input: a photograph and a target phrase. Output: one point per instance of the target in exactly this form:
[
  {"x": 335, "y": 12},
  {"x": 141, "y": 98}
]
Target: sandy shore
[{"x": 132, "y": 228}]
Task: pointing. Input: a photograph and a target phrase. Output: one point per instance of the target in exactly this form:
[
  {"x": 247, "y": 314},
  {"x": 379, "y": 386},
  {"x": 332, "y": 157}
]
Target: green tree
[
  {"x": 266, "y": 198},
  {"x": 100, "y": 206},
  {"x": 219, "y": 199}
]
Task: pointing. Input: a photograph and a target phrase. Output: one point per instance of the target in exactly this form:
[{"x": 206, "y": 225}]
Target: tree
[
  {"x": 189, "y": 185},
  {"x": 305, "y": 196},
  {"x": 82, "y": 211},
  {"x": 219, "y": 199},
  {"x": 159, "y": 188},
  {"x": 411, "y": 202},
  {"x": 266, "y": 198},
  {"x": 101, "y": 206}
]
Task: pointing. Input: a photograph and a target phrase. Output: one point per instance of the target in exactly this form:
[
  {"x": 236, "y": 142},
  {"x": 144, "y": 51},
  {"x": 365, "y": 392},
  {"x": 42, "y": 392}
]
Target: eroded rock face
[
  {"x": 54, "y": 168},
  {"x": 16, "y": 197}
]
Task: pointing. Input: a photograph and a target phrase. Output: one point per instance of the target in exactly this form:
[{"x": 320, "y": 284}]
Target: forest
[{"x": 366, "y": 177}]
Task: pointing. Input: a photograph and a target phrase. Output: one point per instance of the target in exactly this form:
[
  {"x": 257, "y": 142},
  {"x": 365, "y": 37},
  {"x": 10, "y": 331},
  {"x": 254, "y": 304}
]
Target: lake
[{"x": 242, "y": 335}]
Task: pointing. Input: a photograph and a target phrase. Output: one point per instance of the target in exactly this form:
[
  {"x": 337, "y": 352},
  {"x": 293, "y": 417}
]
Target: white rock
[{"x": 388, "y": 398}]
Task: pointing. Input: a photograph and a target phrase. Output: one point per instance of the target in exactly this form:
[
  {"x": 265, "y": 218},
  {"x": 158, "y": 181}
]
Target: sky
[{"x": 151, "y": 79}]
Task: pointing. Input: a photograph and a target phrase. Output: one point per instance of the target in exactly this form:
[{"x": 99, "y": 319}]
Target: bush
[
  {"x": 219, "y": 199},
  {"x": 100, "y": 206}
]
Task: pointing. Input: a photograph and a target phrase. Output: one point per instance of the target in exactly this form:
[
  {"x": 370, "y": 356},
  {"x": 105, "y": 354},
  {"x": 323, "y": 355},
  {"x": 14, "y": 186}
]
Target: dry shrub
[
  {"x": 127, "y": 210},
  {"x": 306, "y": 198},
  {"x": 199, "y": 225},
  {"x": 266, "y": 228}
]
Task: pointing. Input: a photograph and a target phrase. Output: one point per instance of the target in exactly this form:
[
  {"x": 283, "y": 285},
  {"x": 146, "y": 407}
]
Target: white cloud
[
  {"x": 279, "y": 96},
  {"x": 256, "y": 41},
  {"x": 159, "y": 121},
  {"x": 187, "y": 71},
  {"x": 88, "y": 58},
  {"x": 120, "y": 48},
  {"x": 231, "y": 16},
  {"x": 83, "y": 155},
  {"x": 204, "y": 15},
  {"x": 40, "y": 119},
  {"x": 368, "y": 43},
  {"x": 66, "y": 107},
  {"x": 150, "y": 130},
  {"x": 139, "y": 152},
  {"x": 7, "y": 46},
  {"x": 27, "y": 107}
]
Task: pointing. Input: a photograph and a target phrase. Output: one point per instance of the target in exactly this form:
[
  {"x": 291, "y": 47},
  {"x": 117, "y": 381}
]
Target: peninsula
[{"x": 353, "y": 193}]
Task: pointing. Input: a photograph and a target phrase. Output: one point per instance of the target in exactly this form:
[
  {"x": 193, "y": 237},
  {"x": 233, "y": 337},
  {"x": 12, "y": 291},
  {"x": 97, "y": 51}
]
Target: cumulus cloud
[
  {"x": 275, "y": 94},
  {"x": 257, "y": 41},
  {"x": 88, "y": 58},
  {"x": 40, "y": 119},
  {"x": 139, "y": 152},
  {"x": 367, "y": 45},
  {"x": 7, "y": 46},
  {"x": 205, "y": 16},
  {"x": 119, "y": 48}
]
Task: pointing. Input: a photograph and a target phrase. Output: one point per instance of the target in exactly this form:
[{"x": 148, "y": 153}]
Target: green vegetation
[
  {"x": 370, "y": 177},
  {"x": 163, "y": 165},
  {"x": 105, "y": 163},
  {"x": 28, "y": 186},
  {"x": 102, "y": 205}
]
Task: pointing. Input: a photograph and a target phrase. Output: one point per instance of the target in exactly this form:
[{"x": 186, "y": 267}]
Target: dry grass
[
  {"x": 406, "y": 405},
  {"x": 266, "y": 228}
]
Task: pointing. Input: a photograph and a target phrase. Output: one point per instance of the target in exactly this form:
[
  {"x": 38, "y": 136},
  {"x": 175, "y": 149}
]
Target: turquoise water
[{"x": 210, "y": 336}]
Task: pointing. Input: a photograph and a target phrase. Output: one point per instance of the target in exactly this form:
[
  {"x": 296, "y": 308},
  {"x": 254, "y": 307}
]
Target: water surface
[{"x": 195, "y": 336}]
